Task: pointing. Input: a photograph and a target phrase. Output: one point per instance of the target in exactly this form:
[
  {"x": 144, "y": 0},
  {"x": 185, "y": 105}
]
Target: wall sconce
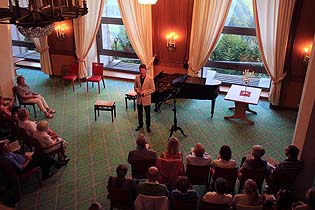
[
  {"x": 171, "y": 41},
  {"x": 60, "y": 30},
  {"x": 307, "y": 51}
]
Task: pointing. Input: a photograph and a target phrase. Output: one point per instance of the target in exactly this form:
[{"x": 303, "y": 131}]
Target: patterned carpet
[{"x": 97, "y": 147}]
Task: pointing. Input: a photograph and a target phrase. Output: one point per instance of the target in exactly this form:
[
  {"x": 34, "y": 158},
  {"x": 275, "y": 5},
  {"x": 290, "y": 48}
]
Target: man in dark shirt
[
  {"x": 141, "y": 153},
  {"x": 284, "y": 173}
]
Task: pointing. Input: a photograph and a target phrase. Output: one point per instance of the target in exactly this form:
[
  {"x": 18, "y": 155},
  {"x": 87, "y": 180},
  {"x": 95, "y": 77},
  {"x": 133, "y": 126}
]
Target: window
[
  {"x": 114, "y": 47},
  {"x": 237, "y": 48},
  {"x": 23, "y": 46}
]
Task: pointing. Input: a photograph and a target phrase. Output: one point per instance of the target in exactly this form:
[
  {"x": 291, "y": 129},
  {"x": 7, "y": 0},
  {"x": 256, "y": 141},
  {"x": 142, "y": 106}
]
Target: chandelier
[{"x": 37, "y": 19}]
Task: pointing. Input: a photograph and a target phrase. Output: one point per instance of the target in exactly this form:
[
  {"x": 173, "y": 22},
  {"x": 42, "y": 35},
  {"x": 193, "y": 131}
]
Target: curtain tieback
[
  {"x": 43, "y": 50},
  {"x": 151, "y": 62},
  {"x": 276, "y": 82}
]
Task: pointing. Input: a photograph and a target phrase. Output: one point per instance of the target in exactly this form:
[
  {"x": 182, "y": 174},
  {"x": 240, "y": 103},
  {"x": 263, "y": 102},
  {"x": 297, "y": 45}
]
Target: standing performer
[{"x": 144, "y": 87}]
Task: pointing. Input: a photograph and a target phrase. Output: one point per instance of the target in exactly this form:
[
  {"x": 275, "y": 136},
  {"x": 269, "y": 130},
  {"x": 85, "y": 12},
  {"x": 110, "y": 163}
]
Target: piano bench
[{"x": 131, "y": 95}]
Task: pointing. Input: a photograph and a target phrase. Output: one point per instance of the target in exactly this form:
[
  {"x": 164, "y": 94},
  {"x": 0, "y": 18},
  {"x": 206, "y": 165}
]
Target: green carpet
[{"x": 97, "y": 147}]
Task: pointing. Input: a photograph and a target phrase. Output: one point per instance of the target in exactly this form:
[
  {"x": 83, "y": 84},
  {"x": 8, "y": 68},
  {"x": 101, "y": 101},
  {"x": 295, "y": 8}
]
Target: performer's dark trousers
[{"x": 147, "y": 115}]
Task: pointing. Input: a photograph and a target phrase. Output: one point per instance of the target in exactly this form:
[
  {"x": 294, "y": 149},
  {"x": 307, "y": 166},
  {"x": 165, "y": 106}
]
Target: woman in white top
[
  {"x": 45, "y": 140},
  {"x": 198, "y": 156},
  {"x": 24, "y": 122}
]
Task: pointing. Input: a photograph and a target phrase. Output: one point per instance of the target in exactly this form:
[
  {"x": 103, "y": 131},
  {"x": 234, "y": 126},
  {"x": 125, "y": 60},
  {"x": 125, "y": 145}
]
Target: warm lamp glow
[
  {"x": 147, "y": 1},
  {"x": 171, "y": 40},
  {"x": 307, "y": 51},
  {"x": 60, "y": 30}
]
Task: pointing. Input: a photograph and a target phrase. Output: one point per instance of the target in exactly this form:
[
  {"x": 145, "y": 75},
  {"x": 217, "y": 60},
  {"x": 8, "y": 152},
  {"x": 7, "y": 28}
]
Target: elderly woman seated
[
  {"x": 28, "y": 125},
  {"x": 250, "y": 197},
  {"x": 49, "y": 142},
  {"x": 198, "y": 156},
  {"x": 172, "y": 150}
]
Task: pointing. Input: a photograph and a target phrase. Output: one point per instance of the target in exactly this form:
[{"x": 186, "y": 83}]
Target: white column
[
  {"x": 304, "y": 134},
  {"x": 6, "y": 61}
]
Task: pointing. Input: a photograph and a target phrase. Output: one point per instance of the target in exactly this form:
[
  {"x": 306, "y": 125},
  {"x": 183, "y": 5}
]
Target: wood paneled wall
[
  {"x": 62, "y": 52},
  {"x": 171, "y": 16},
  {"x": 301, "y": 35}
]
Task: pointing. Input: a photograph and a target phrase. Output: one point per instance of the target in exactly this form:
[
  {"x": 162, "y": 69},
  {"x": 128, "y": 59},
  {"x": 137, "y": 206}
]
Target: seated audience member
[
  {"x": 25, "y": 123},
  {"x": 121, "y": 181},
  {"x": 310, "y": 201},
  {"x": 224, "y": 160},
  {"x": 183, "y": 190},
  {"x": 5, "y": 107},
  {"x": 289, "y": 167},
  {"x": 95, "y": 206},
  {"x": 198, "y": 156},
  {"x": 46, "y": 140},
  {"x": 141, "y": 153},
  {"x": 250, "y": 196},
  {"x": 24, "y": 163},
  {"x": 284, "y": 200},
  {"x": 152, "y": 187},
  {"x": 27, "y": 96},
  {"x": 220, "y": 195},
  {"x": 172, "y": 150},
  {"x": 255, "y": 162},
  {"x": 28, "y": 125}
]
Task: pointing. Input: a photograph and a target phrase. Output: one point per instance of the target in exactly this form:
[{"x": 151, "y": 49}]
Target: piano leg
[{"x": 212, "y": 107}]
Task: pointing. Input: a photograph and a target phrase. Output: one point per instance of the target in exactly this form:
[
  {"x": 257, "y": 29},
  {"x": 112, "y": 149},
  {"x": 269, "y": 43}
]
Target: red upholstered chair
[
  {"x": 97, "y": 76},
  {"x": 71, "y": 74}
]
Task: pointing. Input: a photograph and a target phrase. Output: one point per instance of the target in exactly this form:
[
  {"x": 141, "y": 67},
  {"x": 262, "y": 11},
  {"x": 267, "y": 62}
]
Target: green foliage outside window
[{"x": 236, "y": 48}]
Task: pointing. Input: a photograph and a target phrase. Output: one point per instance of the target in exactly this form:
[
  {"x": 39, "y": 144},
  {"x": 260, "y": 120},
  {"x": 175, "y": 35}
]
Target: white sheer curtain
[
  {"x": 207, "y": 24},
  {"x": 138, "y": 22},
  {"x": 272, "y": 19},
  {"x": 85, "y": 30},
  {"x": 41, "y": 45}
]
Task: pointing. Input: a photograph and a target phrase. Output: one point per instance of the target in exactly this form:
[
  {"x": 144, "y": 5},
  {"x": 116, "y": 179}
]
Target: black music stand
[{"x": 174, "y": 127}]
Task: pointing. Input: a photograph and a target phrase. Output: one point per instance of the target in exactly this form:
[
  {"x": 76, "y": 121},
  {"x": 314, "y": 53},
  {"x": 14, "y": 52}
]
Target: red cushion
[
  {"x": 94, "y": 79},
  {"x": 69, "y": 77}
]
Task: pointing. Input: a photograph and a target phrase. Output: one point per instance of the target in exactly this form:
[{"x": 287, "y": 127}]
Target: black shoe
[
  {"x": 148, "y": 130},
  {"x": 138, "y": 128}
]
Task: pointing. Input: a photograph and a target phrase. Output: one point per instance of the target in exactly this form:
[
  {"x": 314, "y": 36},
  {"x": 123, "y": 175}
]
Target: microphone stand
[{"x": 174, "y": 127}]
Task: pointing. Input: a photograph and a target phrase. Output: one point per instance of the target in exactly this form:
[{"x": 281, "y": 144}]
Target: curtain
[
  {"x": 207, "y": 24},
  {"x": 272, "y": 19},
  {"x": 85, "y": 30},
  {"x": 41, "y": 45},
  {"x": 138, "y": 22}
]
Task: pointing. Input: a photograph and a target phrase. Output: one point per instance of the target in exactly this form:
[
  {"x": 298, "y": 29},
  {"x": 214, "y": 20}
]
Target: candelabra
[{"x": 246, "y": 77}]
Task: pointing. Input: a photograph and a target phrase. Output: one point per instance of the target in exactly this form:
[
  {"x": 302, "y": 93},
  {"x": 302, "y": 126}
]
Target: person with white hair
[{"x": 45, "y": 140}]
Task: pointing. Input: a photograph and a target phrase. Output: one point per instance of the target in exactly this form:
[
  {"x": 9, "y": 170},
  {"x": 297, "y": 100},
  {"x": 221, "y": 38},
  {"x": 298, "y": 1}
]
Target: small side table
[
  {"x": 131, "y": 95},
  {"x": 105, "y": 106}
]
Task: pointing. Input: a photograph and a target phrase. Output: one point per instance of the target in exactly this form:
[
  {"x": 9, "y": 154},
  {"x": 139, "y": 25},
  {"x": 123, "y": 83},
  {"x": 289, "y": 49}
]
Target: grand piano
[{"x": 184, "y": 86}]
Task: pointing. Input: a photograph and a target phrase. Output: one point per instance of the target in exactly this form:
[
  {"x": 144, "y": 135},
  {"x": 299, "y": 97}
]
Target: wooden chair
[
  {"x": 183, "y": 204},
  {"x": 21, "y": 103},
  {"x": 244, "y": 207},
  {"x": 120, "y": 198},
  {"x": 203, "y": 205},
  {"x": 229, "y": 174},
  {"x": 14, "y": 181},
  {"x": 25, "y": 140},
  {"x": 169, "y": 170},
  {"x": 151, "y": 202},
  {"x": 97, "y": 76},
  {"x": 71, "y": 74},
  {"x": 139, "y": 168},
  {"x": 257, "y": 175},
  {"x": 199, "y": 175}
]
